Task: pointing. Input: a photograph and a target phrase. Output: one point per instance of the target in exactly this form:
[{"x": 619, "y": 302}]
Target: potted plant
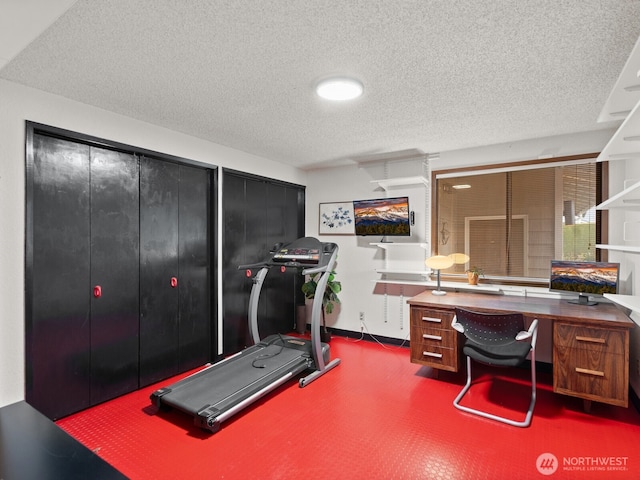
[
  {"x": 329, "y": 299},
  {"x": 473, "y": 274}
]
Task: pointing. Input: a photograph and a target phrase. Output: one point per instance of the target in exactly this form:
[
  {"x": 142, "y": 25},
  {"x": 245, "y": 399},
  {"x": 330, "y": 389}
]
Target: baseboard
[{"x": 368, "y": 337}]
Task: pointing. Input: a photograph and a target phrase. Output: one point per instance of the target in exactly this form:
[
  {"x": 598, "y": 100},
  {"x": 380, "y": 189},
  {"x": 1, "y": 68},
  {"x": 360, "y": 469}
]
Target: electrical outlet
[{"x": 361, "y": 322}]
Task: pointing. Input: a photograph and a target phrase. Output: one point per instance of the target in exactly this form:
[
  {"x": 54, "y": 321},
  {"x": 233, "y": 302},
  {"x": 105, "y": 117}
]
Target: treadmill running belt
[{"x": 240, "y": 378}]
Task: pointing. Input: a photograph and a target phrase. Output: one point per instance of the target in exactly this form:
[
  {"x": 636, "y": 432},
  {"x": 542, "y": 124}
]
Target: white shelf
[
  {"x": 388, "y": 183},
  {"x": 625, "y": 143},
  {"x": 632, "y": 302},
  {"x": 387, "y": 245},
  {"x": 626, "y": 91},
  {"x": 620, "y": 248},
  {"x": 449, "y": 286},
  {"x": 424, "y": 273},
  {"x": 403, "y": 282},
  {"x": 627, "y": 198}
]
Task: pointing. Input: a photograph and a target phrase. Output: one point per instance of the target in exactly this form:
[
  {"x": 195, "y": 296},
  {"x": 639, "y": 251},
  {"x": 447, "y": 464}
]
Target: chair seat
[{"x": 509, "y": 355}]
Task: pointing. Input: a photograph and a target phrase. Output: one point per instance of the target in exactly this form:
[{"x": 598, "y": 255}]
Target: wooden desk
[{"x": 590, "y": 344}]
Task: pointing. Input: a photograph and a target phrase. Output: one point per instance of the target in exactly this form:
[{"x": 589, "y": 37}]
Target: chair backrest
[{"x": 490, "y": 328}]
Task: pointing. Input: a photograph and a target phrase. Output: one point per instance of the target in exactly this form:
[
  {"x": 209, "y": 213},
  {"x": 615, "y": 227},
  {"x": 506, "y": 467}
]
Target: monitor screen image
[
  {"x": 382, "y": 216},
  {"x": 584, "y": 278}
]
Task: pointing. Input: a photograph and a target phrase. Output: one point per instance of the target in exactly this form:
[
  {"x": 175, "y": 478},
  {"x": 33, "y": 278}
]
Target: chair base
[{"x": 524, "y": 423}]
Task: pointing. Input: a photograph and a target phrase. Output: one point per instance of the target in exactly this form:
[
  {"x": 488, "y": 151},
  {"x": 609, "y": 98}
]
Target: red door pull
[
  {"x": 174, "y": 282},
  {"x": 97, "y": 291}
]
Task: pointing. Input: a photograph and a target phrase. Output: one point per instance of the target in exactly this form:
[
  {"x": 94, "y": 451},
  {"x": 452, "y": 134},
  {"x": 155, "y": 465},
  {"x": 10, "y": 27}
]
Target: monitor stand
[{"x": 583, "y": 300}]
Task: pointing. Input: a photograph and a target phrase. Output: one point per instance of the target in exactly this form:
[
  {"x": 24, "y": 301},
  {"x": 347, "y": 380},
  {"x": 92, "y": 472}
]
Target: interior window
[{"x": 512, "y": 222}]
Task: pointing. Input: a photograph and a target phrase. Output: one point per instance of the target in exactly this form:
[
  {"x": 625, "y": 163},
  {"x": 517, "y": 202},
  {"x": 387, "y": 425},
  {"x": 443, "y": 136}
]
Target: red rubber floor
[{"x": 375, "y": 416}]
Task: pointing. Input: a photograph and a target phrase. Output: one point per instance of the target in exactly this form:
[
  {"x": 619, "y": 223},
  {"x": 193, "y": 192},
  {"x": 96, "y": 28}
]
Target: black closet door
[
  {"x": 159, "y": 194},
  {"x": 257, "y": 214},
  {"x": 277, "y": 302},
  {"x": 58, "y": 324},
  {"x": 235, "y": 247},
  {"x": 115, "y": 259},
  {"x": 193, "y": 280}
]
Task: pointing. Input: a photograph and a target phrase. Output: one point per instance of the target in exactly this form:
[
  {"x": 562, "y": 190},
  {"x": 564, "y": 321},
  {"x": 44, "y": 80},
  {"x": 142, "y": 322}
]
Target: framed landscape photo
[{"x": 336, "y": 219}]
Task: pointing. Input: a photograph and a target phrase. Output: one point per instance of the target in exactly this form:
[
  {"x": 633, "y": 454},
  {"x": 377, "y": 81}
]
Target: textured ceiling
[{"x": 438, "y": 75}]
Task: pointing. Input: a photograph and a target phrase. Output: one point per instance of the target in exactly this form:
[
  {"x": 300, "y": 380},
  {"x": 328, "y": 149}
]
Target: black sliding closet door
[
  {"x": 115, "y": 240},
  {"x": 117, "y": 289},
  {"x": 258, "y": 213},
  {"x": 193, "y": 281},
  {"x": 174, "y": 288},
  {"x": 81, "y": 342},
  {"x": 58, "y": 332},
  {"x": 158, "y": 267}
]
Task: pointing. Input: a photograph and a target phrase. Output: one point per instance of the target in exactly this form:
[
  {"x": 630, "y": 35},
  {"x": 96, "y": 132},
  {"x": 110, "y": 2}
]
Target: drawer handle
[
  {"x": 431, "y": 354},
  {"x": 432, "y": 319},
  {"x": 590, "y": 339},
  {"x": 431, "y": 337},
  {"x": 590, "y": 372}
]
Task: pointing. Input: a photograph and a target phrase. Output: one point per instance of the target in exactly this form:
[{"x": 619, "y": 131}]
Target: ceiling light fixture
[{"x": 339, "y": 89}]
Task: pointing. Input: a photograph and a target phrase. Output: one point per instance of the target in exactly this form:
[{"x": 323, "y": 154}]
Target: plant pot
[
  {"x": 473, "y": 278},
  {"x": 301, "y": 319},
  {"x": 325, "y": 335}
]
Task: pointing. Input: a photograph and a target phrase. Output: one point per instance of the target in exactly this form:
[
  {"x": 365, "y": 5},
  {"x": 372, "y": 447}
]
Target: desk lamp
[
  {"x": 437, "y": 263},
  {"x": 459, "y": 258}
]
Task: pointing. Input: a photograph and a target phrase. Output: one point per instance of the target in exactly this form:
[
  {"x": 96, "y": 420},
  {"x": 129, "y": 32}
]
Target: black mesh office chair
[{"x": 498, "y": 340}]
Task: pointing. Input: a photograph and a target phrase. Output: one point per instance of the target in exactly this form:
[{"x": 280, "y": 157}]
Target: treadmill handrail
[
  {"x": 253, "y": 265},
  {"x": 311, "y": 271}
]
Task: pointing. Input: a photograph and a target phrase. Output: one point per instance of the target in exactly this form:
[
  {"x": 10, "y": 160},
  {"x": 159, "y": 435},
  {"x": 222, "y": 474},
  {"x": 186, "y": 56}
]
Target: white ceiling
[{"x": 438, "y": 74}]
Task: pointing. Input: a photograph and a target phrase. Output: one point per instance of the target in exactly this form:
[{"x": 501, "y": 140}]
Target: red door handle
[
  {"x": 97, "y": 291},
  {"x": 174, "y": 282}
]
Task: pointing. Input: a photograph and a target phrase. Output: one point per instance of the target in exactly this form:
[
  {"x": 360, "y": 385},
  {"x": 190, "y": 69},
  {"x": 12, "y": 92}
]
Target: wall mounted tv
[
  {"x": 584, "y": 279},
  {"x": 382, "y": 216}
]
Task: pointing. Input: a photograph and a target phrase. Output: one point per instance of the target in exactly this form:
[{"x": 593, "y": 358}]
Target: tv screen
[
  {"x": 584, "y": 278},
  {"x": 382, "y": 216}
]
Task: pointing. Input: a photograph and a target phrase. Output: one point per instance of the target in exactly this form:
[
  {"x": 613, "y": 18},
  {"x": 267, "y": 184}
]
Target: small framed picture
[{"x": 336, "y": 219}]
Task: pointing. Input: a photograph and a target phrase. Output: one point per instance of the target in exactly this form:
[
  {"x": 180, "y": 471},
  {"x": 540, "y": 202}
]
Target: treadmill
[{"x": 221, "y": 390}]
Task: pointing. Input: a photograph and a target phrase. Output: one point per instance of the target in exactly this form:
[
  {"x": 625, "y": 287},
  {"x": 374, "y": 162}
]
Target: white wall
[
  {"x": 385, "y": 309},
  {"x": 19, "y": 104}
]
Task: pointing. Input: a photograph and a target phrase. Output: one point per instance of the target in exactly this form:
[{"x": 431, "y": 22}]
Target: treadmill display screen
[{"x": 301, "y": 255}]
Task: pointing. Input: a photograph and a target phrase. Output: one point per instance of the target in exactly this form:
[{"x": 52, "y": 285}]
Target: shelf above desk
[
  {"x": 422, "y": 273},
  {"x": 388, "y": 183},
  {"x": 388, "y": 245},
  {"x": 452, "y": 286}
]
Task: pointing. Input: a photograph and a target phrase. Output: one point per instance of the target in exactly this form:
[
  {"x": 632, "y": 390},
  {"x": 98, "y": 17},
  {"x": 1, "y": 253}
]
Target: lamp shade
[
  {"x": 439, "y": 262},
  {"x": 459, "y": 258}
]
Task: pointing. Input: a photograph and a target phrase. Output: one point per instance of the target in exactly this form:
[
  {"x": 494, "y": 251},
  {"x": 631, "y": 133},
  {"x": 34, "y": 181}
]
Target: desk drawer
[
  {"x": 433, "y": 342},
  {"x": 428, "y": 335},
  {"x": 591, "y": 363},
  {"x": 434, "y": 356},
  {"x": 589, "y": 338},
  {"x": 601, "y": 378},
  {"x": 432, "y": 318}
]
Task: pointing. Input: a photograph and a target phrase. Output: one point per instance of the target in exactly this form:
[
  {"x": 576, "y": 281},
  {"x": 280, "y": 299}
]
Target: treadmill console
[
  {"x": 309, "y": 256},
  {"x": 307, "y": 252}
]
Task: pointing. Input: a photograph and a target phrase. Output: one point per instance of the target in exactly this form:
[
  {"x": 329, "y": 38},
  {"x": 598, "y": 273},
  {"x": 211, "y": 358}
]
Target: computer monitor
[{"x": 584, "y": 279}]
